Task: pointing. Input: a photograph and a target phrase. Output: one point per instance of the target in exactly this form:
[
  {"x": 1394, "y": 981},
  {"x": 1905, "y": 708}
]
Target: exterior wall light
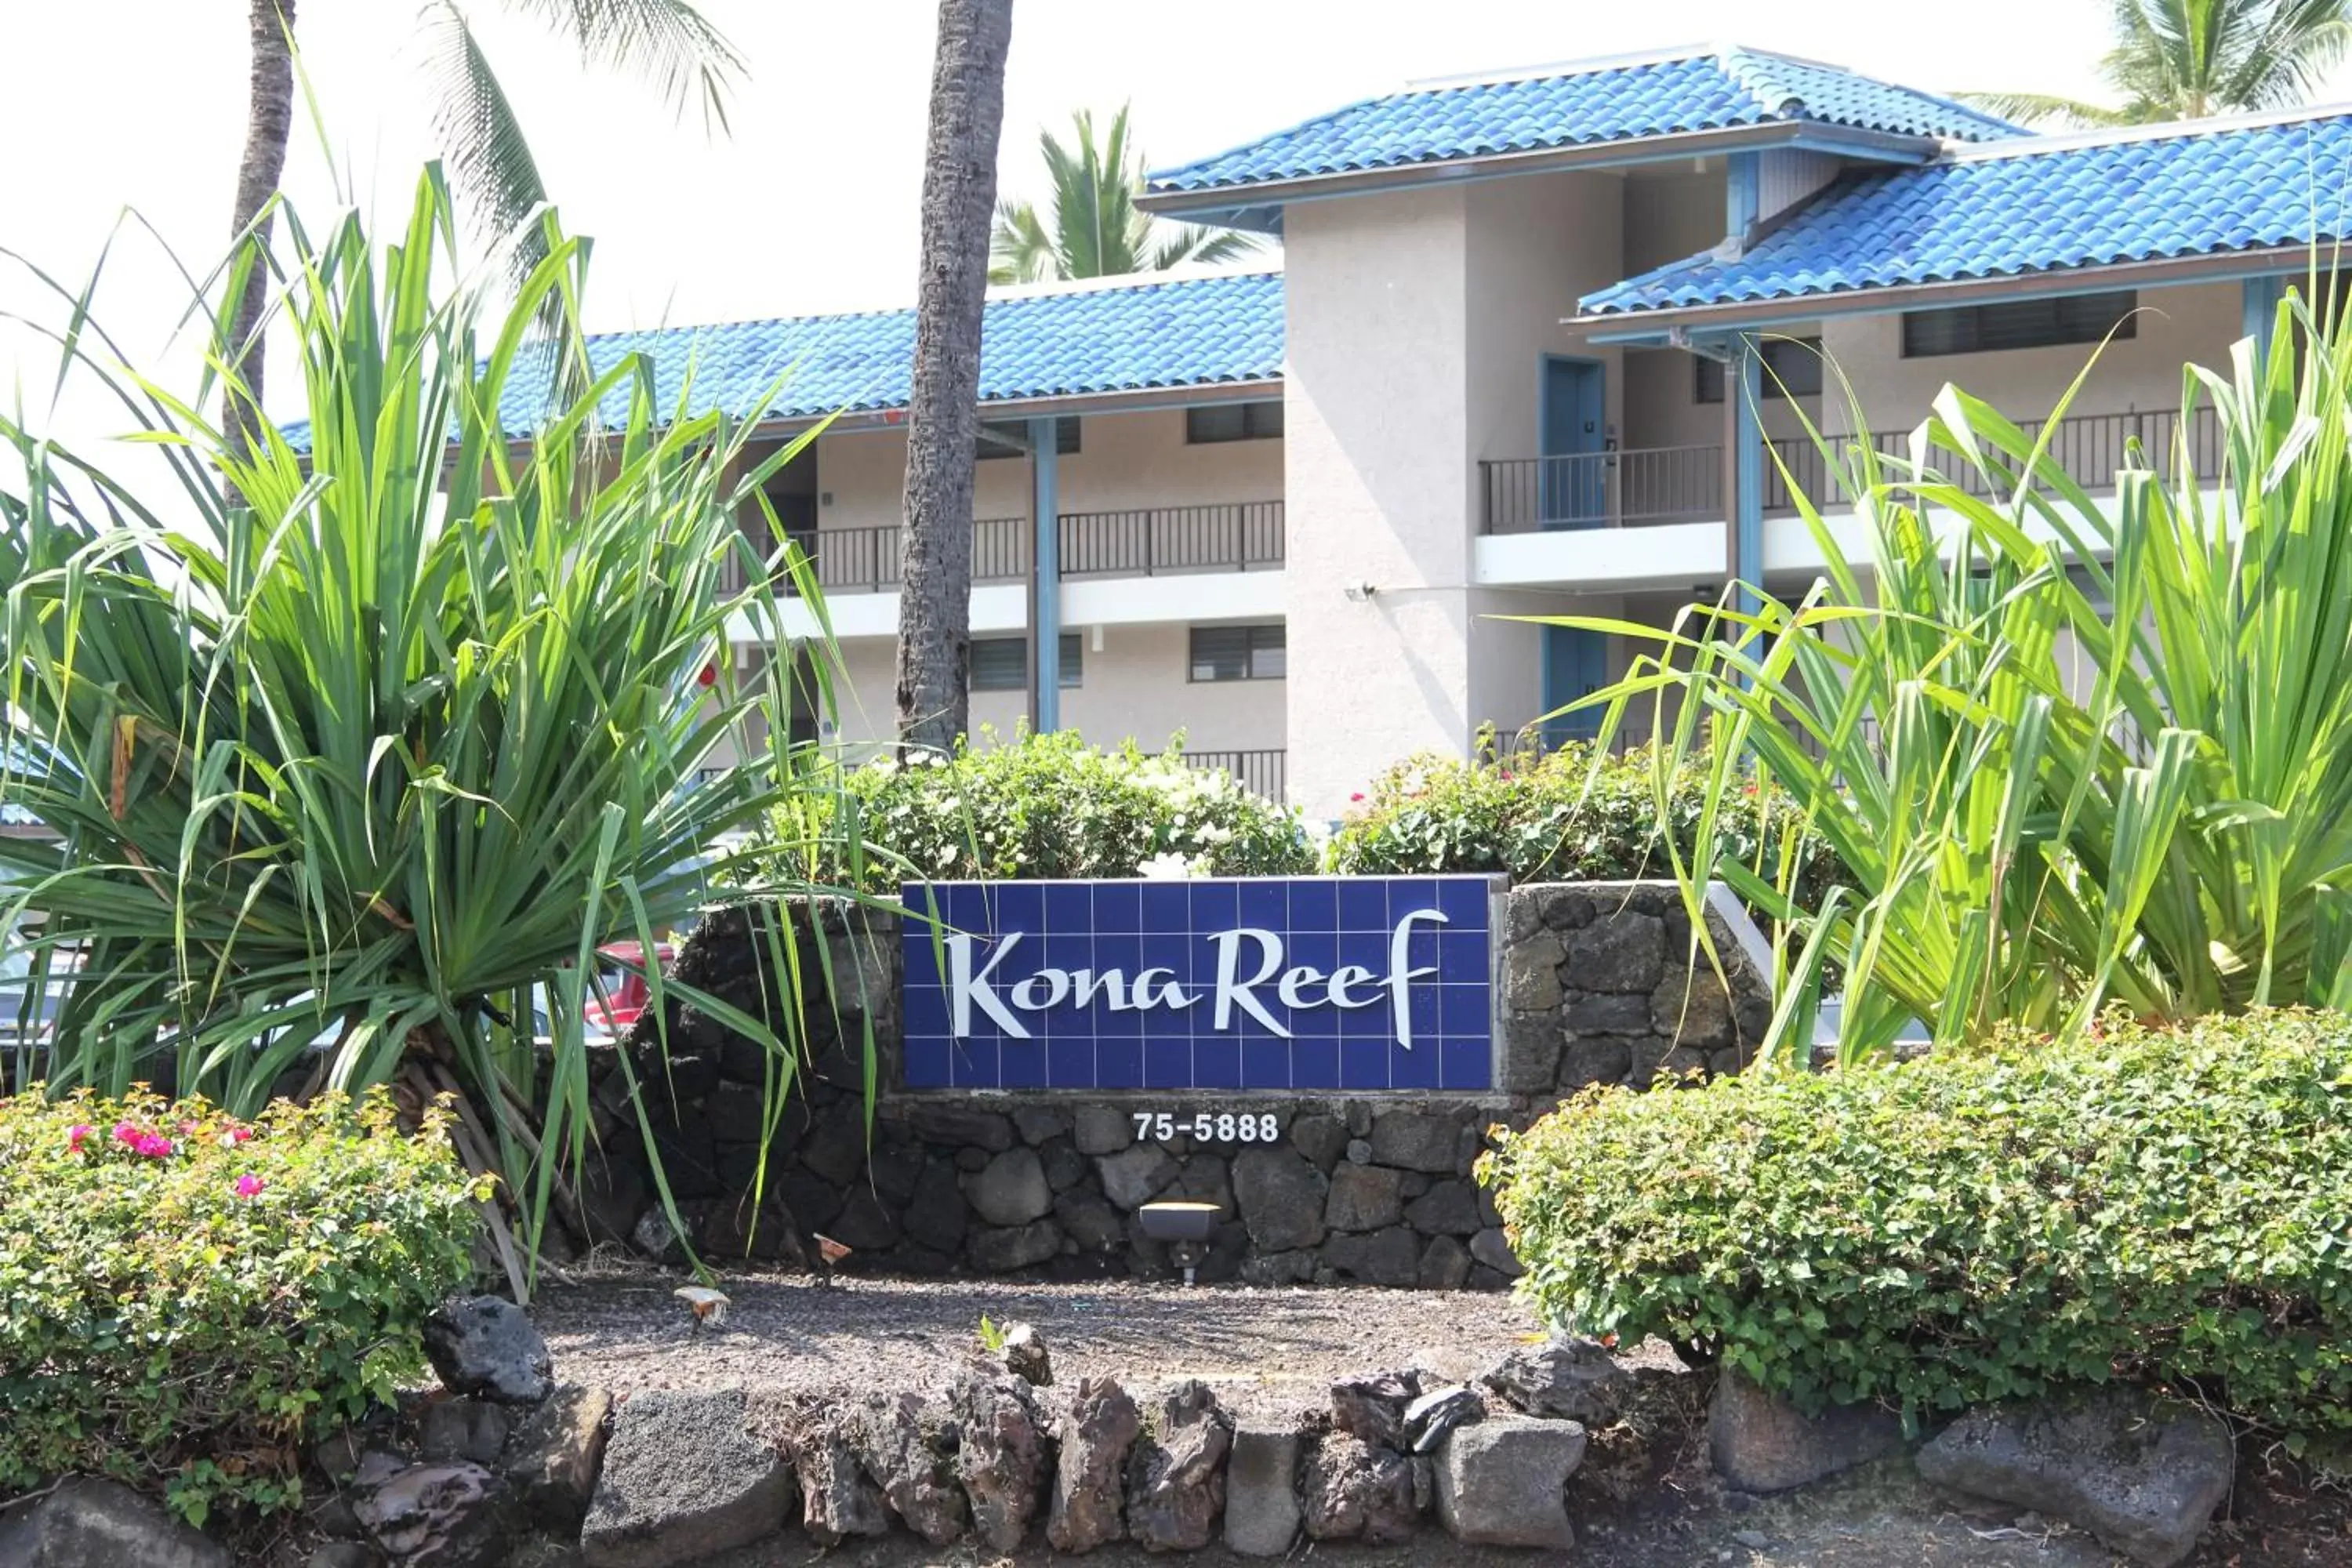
[{"x": 1358, "y": 592}]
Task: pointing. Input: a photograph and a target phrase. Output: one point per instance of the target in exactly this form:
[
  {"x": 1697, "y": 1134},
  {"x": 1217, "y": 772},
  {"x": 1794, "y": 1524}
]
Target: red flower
[
  {"x": 75, "y": 1135},
  {"x": 234, "y": 1136},
  {"x": 1357, "y": 796},
  {"x": 248, "y": 1184},
  {"x": 127, "y": 1135},
  {"x": 154, "y": 1145},
  {"x": 710, "y": 676}
]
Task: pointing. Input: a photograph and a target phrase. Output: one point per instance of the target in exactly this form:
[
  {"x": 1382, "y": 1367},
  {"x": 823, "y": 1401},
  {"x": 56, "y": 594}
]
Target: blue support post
[
  {"x": 2261, "y": 297},
  {"x": 1742, "y": 197},
  {"x": 1045, "y": 592},
  {"x": 1744, "y": 386}
]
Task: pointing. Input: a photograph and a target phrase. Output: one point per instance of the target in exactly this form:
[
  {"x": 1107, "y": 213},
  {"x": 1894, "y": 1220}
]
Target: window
[
  {"x": 1232, "y": 422},
  {"x": 1010, "y": 437},
  {"x": 1793, "y": 367},
  {"x": 1238, "y": 653},
  {"x": 2019, "y": 324},
  {"x": 1001, "y": 664}
]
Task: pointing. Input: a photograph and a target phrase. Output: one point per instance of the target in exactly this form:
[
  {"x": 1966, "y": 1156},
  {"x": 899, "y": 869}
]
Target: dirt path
[{"x": 1261, "y": 1350}]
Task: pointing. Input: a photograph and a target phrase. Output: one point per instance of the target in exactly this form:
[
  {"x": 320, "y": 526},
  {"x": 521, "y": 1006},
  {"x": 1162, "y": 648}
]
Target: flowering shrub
[
  {"x": 2167, "y": 1205},
  {"x": 185, "y": 1296},
  {"x": 1048, "y": 805},
  {"x": 1532, "y": 817}
]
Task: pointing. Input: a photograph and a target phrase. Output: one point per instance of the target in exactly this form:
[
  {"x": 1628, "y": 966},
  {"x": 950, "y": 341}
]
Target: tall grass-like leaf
[
  {"x": 371, "y": 735},
  {"x": 2162, "y": 817}
]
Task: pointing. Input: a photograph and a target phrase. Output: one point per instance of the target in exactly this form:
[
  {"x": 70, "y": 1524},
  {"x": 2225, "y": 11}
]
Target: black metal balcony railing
[
  {"x": 1242, "y": 536},
  {"x": 1603, "y": 490},
  {"x": 1174, "y": 539},
  {"x": 1683, "y": 484},
  {"x": 1261, "y": 772}
]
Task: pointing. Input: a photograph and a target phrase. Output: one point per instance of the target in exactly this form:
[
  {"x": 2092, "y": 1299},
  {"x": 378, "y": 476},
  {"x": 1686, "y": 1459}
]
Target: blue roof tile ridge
[
  {"x": 1190, "y": 272},
  {"x": 1743, "y": 64},
  {"x": 2160, "y": 131},
  {"x": 1587, "y": 103},
  {"x": 1185, "y": 272}
]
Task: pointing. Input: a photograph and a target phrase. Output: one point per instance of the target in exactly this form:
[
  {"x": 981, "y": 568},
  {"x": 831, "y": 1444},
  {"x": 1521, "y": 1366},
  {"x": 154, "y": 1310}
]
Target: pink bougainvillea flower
[
  {"x": 76, "y": 1135},
  {"x": 234, "y": 1136},
  {"x": 154, "y": 1145},
  {"x": 1358, "y": 795},
  {"x": 187, "y": 1130},
  {"x": 125, "y": 1133},
  {"x": 248, "y": 1184}
]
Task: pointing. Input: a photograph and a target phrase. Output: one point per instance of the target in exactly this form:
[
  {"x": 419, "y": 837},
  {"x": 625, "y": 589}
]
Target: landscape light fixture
[{"x": 1184, "y": 1226}]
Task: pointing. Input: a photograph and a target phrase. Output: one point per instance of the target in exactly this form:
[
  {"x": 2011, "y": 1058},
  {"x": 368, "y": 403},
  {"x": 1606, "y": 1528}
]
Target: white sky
[{"x": 810, "y": 204}]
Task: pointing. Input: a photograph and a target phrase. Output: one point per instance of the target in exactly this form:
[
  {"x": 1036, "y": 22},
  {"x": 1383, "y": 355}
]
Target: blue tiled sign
[{"x": 1276, "y": 984}]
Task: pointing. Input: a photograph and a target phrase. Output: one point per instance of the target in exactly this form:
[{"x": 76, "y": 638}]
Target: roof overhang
[
  {"x": 1141, "y": 400},
  {"x": 1257, "y": 205},
  {"x": 1680, "y": 326}
]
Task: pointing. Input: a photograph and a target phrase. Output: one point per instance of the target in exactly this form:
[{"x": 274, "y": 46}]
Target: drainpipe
[{"x": 1045, "y": 580}]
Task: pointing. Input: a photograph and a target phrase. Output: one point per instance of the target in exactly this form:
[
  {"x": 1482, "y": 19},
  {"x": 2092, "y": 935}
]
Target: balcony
[
  {"x": 1244, "y": 536},
  {"x": 1649, "y": 486},
  {"x": 1261, "y": 772}
]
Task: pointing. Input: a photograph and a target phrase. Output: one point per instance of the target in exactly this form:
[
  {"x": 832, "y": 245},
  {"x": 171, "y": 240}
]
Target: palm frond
[
  {"x": 1095, "y": 230},
  {"x": 1019, "y": 248},
  {"x": 2043, "y": 108},
  {"x": 481, "y": 139},
  {"x": 668, "y": 42}
]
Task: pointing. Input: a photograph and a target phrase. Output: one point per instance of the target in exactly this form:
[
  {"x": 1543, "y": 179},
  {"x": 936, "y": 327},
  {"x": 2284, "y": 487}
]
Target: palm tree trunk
[
  {"x": 943, "y": 411},
  {"x": 269, "y": 121}
]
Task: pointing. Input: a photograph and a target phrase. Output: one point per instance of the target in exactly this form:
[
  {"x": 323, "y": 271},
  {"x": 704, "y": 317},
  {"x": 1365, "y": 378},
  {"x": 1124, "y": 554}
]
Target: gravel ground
[
  {"x": 1271, "y": 1352},
  {"x": 1261, "y": 1350}
]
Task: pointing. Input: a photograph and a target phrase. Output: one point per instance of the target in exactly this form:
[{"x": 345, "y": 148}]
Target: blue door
[
  {"x": 1574, "y": 418},
  {"x": 1575, "y": 664}
]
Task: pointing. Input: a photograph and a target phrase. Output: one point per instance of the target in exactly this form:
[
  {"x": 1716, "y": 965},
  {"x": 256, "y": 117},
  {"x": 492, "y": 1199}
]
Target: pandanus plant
[
  {"x": 365, "y": 738},
  {"x": 2070, "y": 751}
]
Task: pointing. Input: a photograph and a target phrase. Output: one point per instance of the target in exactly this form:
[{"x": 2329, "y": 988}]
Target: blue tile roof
[
  {"x": 1705, "y": 90},
  {"x": 1141, "y": 335},
  {"x": 2199, "y": 191}
]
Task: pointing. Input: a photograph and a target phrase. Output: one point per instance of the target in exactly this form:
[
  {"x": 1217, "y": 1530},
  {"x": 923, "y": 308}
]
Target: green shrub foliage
[
  {"x": 1042, "y": 805},
  {"x": 1570, "y": 814},
  {"x": 2163, "y": 1205},
  {"x": 184, "y": 1297}
]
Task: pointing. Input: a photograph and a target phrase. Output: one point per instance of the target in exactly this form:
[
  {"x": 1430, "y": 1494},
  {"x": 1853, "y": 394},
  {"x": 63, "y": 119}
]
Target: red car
[{"x": 623, "y": 990}]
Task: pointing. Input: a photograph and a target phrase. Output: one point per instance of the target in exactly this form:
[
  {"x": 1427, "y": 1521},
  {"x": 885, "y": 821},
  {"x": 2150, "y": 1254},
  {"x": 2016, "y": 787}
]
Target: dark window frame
[
  {"x": 1260, "y": 419},
  {"x": 1258, "y": 642},
  {"x": 2000, "y": 326},
  {"x": 1073, "y": 671},
  {"x": 993, "y": 443},
  {"x": 1792, "y": 366}
]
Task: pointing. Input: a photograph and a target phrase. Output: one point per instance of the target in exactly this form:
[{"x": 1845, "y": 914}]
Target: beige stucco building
[{"x": 1536, "y": 344}]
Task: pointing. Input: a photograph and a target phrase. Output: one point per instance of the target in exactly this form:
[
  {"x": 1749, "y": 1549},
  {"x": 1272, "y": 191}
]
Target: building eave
[
  {"x": 1221, "y": 202},
  {"x": 1666, "y": 325}
]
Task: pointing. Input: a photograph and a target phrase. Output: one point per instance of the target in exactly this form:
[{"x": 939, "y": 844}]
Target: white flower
[{"x": 1165, "y": 867}]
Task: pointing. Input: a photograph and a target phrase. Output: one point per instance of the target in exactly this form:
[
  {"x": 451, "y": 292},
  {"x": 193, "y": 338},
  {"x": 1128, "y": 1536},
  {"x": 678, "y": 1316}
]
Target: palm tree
[
  {"x": 667, "y": 42},
  {"x": 1095, "y": 230},
  {"x": 2182, "y": 60},
  {"x": 269, "y": 120},
  {"x": 966, "y": 116}
]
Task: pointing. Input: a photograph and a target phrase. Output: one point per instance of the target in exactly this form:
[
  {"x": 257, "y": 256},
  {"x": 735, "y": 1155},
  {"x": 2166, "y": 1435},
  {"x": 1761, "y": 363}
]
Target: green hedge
[
  {"x": 1037, "y": 806},
  {"x": 1549, "y": 818},
  {"x": 185, "y": 1298},
  {"x": 2169, "y": 1206}
]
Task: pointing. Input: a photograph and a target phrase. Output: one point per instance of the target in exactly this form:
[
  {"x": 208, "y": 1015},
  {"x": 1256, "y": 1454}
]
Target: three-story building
[{"x": 1547, "y": 342}]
